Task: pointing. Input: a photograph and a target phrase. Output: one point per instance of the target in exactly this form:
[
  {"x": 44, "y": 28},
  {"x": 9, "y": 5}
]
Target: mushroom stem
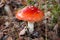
[{"x": 31, "y": 27}]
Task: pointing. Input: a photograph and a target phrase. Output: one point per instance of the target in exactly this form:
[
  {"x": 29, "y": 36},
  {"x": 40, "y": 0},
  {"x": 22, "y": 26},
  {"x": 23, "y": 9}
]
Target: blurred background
[{"x": 47, "y": 29}]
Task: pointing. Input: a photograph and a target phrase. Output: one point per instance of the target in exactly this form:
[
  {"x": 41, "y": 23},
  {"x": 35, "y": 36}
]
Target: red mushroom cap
[{"x": 30, "y": 13}]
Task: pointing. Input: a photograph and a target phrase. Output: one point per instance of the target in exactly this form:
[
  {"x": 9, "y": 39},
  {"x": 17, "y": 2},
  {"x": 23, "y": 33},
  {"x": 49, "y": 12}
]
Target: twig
[{"x": 8, "y": 11}]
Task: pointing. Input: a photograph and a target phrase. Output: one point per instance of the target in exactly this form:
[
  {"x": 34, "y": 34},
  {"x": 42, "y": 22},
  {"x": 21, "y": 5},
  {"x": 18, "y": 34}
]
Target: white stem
[{"x": 31, "y": 27}]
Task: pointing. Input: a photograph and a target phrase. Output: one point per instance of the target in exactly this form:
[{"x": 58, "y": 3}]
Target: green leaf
[{"x": 54, "y": 20}]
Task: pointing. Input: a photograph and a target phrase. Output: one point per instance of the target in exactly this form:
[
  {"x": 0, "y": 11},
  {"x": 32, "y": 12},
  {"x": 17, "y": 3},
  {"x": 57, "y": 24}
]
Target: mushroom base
[{"x": 31, "y": 27}]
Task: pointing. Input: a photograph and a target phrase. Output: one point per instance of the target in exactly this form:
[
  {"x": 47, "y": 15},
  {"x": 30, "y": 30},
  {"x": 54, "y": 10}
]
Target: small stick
[{"x": 8, "y": 11}]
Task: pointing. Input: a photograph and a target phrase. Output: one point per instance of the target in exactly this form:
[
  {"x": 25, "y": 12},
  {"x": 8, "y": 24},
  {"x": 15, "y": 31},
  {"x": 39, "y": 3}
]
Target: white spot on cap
[
  {"x": 32, "y": 9},
  {"x": 38, "y": 11},
  {"x": 31, "y": 6},
  {"x": 20, "y": 15}
]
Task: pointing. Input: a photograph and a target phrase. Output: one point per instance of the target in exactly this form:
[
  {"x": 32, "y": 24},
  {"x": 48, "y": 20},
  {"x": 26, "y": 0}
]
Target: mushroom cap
[{"x": 30, "y": 13}]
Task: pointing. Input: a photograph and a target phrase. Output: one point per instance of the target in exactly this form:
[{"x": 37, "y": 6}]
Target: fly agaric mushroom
[{"x": 30, "y": 14}]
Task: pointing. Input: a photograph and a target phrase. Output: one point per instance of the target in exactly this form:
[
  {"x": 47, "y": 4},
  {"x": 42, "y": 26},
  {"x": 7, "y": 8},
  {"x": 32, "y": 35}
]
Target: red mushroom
[{"x": 30, "y": 14}]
